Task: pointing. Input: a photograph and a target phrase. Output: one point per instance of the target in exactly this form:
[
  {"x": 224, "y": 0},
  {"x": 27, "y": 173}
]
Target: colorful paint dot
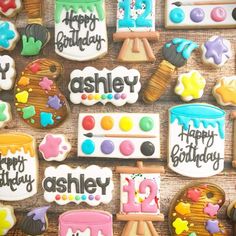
[
  {"x": 123, "y": 96},
  {"x": 97, "y": 97},
  {"x": 104, "y": 96},
  {"x": 22, "y": 97},
  {"x": 77, "y": 197},
  {"x": 107, "y": 147},
  {"x": 83, "y": 197},
  {"x": 180, "y": 226},
  {"x": 194, "y": 194},
  {"x": 46, "y": 119},
  {"x": 146, "y": 123},
  {"x": 177, "y": 15},
  {"x": 24, "y": 81},
  {"x": 126, "y": 148},
  {"x": 58, "y": 197},
  {"x": 71, "y": 197},
  {"x": 117, "y": 96},
  {"x": 218, "y": 14},
  {"x": 97, "y": 197},
  {"x": 88, "y": 147},
  {"x": 91, "y": 197},
  {"x": 84, "y": 97},
  {"x": 64, "y": 197},
  {"x": 147, "y": 148},
  {"x": 109, "y": 96},
  {"x": 88, "y": 122},
  {"x": 126, "y": 123},
  {"x": 28, "y": 112},
  {"x": 197, "y": 15},
  {"x": 107, "y": 123},
  {"x": 90, "y": 97},
  {"x": 183, "y": 208}
]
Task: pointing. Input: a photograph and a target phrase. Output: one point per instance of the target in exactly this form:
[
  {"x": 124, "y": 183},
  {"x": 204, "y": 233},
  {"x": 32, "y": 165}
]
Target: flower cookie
[
  {"x": 216, "y": 51},
  {"x": 35, "y": 222},
  {"x": 7, "y": 219},
  {"x": 194, "y": 211},
  {"x": 10, "y": 8},
  {"x": 38, "y": 100},
  {"x": 225, "y": 91},
  {"x": 9, "y": 36},
  {"x": 7, "y": 72},
  {"x": 5, "y": 113},
  {"x": 190, "y": 86},
  {"x": 54, "y": 147}
]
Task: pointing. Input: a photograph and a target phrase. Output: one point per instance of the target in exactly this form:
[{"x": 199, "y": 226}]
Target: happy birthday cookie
[
  {"x": 10, "y": 8},
  {"x": 194, "y": 211},
  {"x": 5, "y": 114},
  {"x": 7, "y": 219},
  {"x": 38, "y": 100}
]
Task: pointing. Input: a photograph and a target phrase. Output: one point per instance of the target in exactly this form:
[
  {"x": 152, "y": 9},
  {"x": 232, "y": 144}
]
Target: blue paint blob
[
  {"x": 83, "y": 197},
  {"x": 177, "y": 15},
  {"x": 46, "y": 119},
  {"x": 88, "y": 147},
  {"x": 109, "y": 96}
]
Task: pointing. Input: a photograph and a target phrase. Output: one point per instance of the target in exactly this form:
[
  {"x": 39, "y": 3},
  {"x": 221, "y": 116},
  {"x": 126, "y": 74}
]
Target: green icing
[
  {"x": 28, "y": 112},
  {"x": 30, "y": 46},
  {"x": 75, "y": 5},
  {"x": 2, "y": 109}
]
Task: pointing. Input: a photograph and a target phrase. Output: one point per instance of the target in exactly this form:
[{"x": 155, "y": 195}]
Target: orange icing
[
  {"x": 16, "y": 142},
  {"x": 183, "y": 208},
  {"x": 23, "y": 81},
  {"x": 227, "y": 92}
]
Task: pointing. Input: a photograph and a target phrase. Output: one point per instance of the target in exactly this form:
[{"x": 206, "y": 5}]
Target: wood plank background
[{"x": 171, "y": 182}]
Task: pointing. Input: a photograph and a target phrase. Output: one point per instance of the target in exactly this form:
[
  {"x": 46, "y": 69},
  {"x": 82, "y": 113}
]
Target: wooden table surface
[{"x": 171, "y": 182}]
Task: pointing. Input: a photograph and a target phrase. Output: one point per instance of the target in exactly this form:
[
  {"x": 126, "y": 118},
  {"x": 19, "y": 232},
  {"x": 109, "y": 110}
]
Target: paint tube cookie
[
  {"x": 54, "y": 147},
  {"x": 190, "y": 86},
  {"x": 19, "y": 166},
  {"x": 194, "y": 211},
  {"x": 80, "y": 29},
  {"x": 85, "y": 223},
  {"x": 35, "y": 222},
  {"x": 38, "y": 100},
  {"x": 5, "y": 114},
  {"x": 7, "y": 219},
  {"x": 10, "y": 8},
  {"x": 7, "y": 72},
  {"x": 216, "y": 51},
  {"x": 175, "y": 53},
  {"x": 225, "y": 91},
  {"x": 9, "y": 36}
]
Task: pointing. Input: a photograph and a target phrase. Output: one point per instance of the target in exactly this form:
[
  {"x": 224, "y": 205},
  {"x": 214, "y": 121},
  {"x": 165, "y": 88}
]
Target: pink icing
[
  {"x": 46, "y": 84},
  {"x": 211, "y": 209},
  {"x": 218, "y": 14},
  {"x": 81, "y": 220}
]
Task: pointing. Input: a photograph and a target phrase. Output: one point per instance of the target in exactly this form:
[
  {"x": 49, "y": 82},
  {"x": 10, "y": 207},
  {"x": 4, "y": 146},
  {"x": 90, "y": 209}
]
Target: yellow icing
[
  {"x": 22, "y": 97},
  {"x": 180, "y": 226},
  {"x": 183, "y": 208},
  {"x": 16, "y": 142},
  {"x": 5, "y": 225}
]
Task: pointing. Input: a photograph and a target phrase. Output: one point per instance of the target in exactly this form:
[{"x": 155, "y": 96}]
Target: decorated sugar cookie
[
  {"x": 18, "y": 166},
  {"x": 64, "y": 184},
  {"x": 190, "y": 86},
  {"x": 194, "y": 211},
  {"x": 35, "y": 222},
  {"x": 9, "y": 36},
  {"x": 225, "y": 91},
  {"x": 118, "y": 86},
  {"x": 7, "y": 72},
  {"x": 85, "y": 223},
  {"x": 7, "y": 219},
  {"x": 54, "y": 147},
  {"x": 38, "y": 100},
  {"x": 196, "y": 140},
  {"x": 10, "y": 8},
  {"x": 216, "y": 51},
  {"x": 5, "y": 113},
  {"x": 80, "y": 29}
]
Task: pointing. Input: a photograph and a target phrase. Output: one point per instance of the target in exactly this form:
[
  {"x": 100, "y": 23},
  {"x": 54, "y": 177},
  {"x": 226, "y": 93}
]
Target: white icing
[
  {"x": 7, "y": 113},
  {"x": 82, "y": 233},
  {"x": 10, "y": 217},
  {"x": 10, "y": 74},
  {"x": 11, "y": 11},
  {"x": 120, "y": 71}
]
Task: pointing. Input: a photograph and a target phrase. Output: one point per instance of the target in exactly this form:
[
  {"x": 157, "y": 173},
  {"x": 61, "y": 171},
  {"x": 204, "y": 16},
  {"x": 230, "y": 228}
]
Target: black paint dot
[
  {"x": 234, "y": 14},
  {"x": 147, "y": 148}
]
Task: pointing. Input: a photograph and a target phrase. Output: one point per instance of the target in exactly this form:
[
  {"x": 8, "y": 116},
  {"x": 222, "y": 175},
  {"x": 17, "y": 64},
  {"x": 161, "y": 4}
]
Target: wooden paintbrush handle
[
  {"x": 34, "y": 10},
  {"x": 214, "y": 2}
]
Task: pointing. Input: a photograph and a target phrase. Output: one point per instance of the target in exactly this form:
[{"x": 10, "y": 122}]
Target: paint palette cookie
[
  {"x": 19, "y": 166},
  {"x": 85, "y": 223},
  {"x": 194, "y": 211},
  {"x": 9, "y": 36},
  {"x": 35, "y": 222},
  {"x": 5, "y": 114},
  {"x": 216, "y": 51},
  {"x": 119, "y": 135},
  {"x": 54, "y": 147},
  {"x": 38, "y": 100},
  {"x": 196, "y": 140},
  {"x": 7, "y": 219},
  {"x": 10, "y": 8},
  {"x": 118, "y": 86}
]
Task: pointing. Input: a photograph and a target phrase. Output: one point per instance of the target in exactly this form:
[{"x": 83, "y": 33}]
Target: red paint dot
[
  {"x": 88, "y": 122},
  {"x": 84, "y": 96},
  {"x": 35, "y": 67},
  {"x": 58, "y": 197}
]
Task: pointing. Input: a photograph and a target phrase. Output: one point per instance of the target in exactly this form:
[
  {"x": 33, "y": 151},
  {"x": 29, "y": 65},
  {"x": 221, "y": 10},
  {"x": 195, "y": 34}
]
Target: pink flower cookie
[{"x": 54, "y": 147}]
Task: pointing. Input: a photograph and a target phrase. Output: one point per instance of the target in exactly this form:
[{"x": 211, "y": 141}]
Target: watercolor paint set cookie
[
  {"x": 186, "y": 14},
  {"x": 119, "y": 135}
]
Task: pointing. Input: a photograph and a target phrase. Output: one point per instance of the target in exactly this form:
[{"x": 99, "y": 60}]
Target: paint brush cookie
[
  {"x": 216, "y": 51},
  {"x": 190, "y": 86},
  {"x": 7, "y": 72},
  {"x": 85, "y": 223},
  {"x": 35, "y": 222},
  {"x": 7, "y": 219},
  {"x": 54, "y": 147},
  {"x": 225, "y": 91},
  {"x": 10, "y": 8},
  {"x": 9, "y": 36},
  {"x": 5, "y": 114},
  {"x": 194, "y": 211},
  {"x": 38, "y": 100}
]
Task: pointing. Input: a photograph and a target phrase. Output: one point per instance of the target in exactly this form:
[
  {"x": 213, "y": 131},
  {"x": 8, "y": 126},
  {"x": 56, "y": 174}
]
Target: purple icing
[
  {"x": 212, "y": 226},
  {"x": 117, "y": 96},
  {"x": 197, "y": 15},
  {"x": 54, "y": 102},
  {"x": 216, "y": 49},
  {"x": 107, "y": 147},
  {"x": 39, "y": 213}
]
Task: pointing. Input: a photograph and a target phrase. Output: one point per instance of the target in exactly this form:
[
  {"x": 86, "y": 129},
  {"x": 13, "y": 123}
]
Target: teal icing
[
  {"x": 177, "y": 15},
  {"x": 204, "y": 114}
]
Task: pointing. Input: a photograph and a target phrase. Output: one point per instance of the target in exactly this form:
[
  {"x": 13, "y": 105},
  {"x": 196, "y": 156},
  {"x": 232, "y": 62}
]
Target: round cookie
[{"x": 10, "y": 8}]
